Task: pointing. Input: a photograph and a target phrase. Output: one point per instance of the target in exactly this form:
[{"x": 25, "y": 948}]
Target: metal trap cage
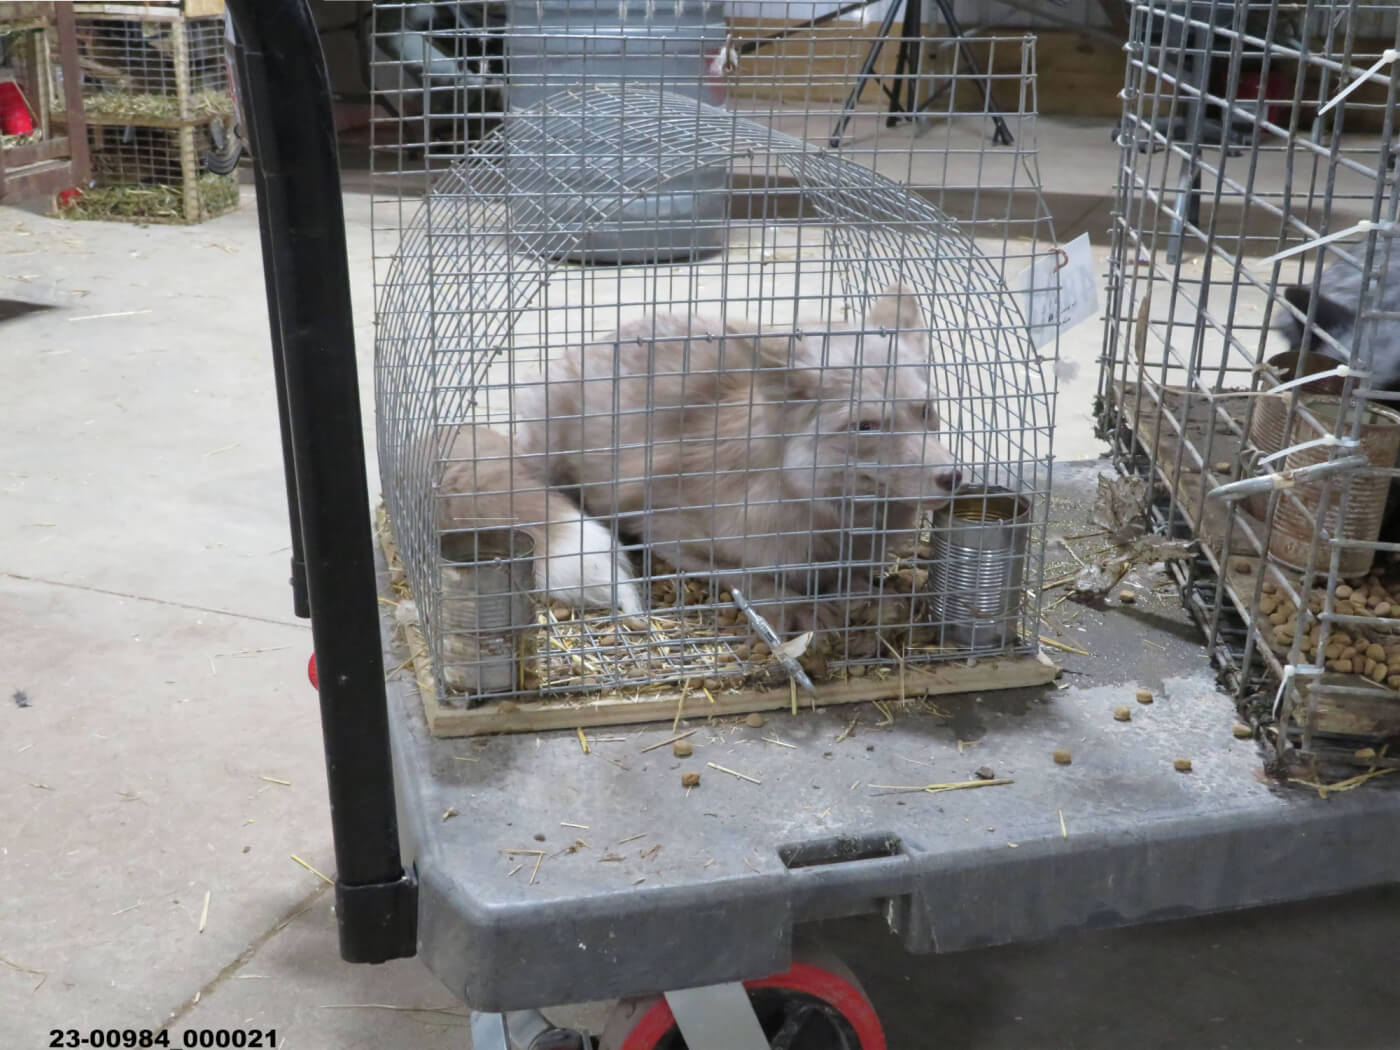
[
  {"x": 1251, "y": 352},
  {"x": 787, "y": 386}
]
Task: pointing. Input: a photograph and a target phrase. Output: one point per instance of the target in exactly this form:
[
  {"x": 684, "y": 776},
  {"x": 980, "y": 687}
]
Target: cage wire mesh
[
  {"x": 672, "y": 391},
  {"x": 1252, "y": 352},
  {"x": 159, "y": 106}
]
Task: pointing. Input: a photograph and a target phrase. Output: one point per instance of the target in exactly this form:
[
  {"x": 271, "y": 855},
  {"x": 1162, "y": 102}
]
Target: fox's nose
[{"x": 949, "y": 478}]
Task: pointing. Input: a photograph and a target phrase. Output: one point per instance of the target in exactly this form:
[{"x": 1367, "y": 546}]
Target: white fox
[{"x": 789, "y": 463}]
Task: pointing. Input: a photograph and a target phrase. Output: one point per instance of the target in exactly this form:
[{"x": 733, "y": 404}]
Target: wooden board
[
  {"x": 983, "y": 675},
  {"x": 1078, "y": 74},
  {"x": 587, "y": 711},
  {"x": 152, "y": 10}
]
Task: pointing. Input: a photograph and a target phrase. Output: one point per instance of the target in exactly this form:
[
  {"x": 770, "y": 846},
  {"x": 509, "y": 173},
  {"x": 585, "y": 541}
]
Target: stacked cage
[
  {"x": 29, "y": 98},
  {"x": 159, "y": 104},
  {"x": 1252, "y": 348},
  {"x": 698, "y": 368}
]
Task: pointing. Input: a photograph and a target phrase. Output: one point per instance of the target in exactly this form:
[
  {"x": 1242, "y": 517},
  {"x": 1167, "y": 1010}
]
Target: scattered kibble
[
  {"x": 1181, "y": 765},
  {"x": 682, "y": 749},
  {"x": 1127, "y": 596},
  {"x": 1144, "y": 696},
  {"x": 1242, "y": 731},
  {"x": 1222, "y": 467},
  {"x": 690, "y": 780},
  {"x": 1123, "y": 714},
  {"x": 756, "y": 721},
  {"x": 1062, "y": 757},
  {"x": 1343, "y": 591},
  {"x": 985, "y": 773}
]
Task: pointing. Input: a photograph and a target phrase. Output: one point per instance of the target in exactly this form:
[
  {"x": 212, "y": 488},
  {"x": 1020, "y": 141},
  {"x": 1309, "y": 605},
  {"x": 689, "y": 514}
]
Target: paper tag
[{"x": 1057, "y": 294}]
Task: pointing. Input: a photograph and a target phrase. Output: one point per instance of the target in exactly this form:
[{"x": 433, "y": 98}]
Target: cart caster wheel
[{"x": 816, "y": 1005}]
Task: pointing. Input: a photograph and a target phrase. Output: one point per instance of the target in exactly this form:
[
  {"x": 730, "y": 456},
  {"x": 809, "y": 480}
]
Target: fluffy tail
[{"x": 577, "y": 560}]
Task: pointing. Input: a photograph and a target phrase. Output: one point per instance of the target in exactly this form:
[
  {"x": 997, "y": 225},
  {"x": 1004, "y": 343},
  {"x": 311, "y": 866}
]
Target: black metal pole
[
  {"x": 287, "y": 104},
  {"x": 1001, "y": 133},
  {"x": 301, "y": 604},
  {"x": 871, "y": 57}
]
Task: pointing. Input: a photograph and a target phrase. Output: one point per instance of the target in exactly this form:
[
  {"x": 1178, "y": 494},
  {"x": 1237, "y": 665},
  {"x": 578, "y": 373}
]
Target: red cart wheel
[{"x": 816, "y": 1005}]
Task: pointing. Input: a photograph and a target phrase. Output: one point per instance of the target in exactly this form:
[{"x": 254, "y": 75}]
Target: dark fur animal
[{"x": 1338, "y": 307}]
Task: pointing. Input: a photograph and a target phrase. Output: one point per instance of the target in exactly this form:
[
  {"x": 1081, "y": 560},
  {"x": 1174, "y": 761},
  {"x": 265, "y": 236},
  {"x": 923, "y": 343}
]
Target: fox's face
[{"x": 874, "y": 432}]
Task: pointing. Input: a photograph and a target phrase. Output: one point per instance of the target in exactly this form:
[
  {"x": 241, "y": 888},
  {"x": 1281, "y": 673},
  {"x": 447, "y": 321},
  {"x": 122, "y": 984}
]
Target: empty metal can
[
  {"x": 484, "y": 612},
  {"x": 977, "y": 567},
  {"x": 1291, "y": 537}
]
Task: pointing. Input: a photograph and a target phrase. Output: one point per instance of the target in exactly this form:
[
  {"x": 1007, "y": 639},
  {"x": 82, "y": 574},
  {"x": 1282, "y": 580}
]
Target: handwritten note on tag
[{"x": 1058, "y": 291}]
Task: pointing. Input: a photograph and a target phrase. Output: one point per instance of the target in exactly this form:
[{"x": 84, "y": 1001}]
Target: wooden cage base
[
  {"x": 585, "y": 711},
  {"x": 523, "y": 716}
]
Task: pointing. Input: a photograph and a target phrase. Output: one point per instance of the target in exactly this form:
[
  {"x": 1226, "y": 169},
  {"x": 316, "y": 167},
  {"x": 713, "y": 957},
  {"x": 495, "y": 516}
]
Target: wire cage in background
[
  {"x": 1252, "y": 352},
  {"x": 159, "y": 104},
  {"x": 738, "y": 291}
]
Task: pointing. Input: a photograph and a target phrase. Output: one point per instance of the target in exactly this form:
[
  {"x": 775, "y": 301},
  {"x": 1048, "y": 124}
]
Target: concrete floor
[{"x": 160, "y": 751}]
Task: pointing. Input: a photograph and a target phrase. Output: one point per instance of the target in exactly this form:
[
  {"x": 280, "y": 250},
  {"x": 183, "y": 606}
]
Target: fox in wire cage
[
  {"x": 698, "y": 365},
  {"x": 1252, "y": 349}
]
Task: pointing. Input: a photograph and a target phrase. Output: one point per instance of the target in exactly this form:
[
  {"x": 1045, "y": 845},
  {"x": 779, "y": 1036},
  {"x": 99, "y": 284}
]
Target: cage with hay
[
  {"x": 162, "y": 126},
  {"x": 1252, "y": 353},
  {"x": 817, "y": 462},
  {"x": 30, "y": 97}
]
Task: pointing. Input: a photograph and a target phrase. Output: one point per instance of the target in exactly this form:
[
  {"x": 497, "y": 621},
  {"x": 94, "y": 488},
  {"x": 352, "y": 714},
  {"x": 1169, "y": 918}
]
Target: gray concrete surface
[{"x": 164, "y": 764}]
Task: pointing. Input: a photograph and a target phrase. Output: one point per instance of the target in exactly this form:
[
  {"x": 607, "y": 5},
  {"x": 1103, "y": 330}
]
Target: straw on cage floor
[{"x": 688, "y": 656}]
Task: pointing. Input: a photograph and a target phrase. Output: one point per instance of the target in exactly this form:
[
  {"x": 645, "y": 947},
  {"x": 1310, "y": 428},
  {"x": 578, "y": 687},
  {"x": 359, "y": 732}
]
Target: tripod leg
[
  {"x": 906, "y": 70},
  {"x": 1002, "y": 135},
  {"x": 870, "y": 59}
]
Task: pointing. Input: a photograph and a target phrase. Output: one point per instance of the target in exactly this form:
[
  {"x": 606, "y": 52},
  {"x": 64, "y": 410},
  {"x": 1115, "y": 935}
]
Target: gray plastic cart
[{"x": 526, "y": 874}]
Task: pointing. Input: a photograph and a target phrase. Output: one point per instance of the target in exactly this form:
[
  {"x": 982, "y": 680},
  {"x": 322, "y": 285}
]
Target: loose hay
[
  {"x": 154, "y": 203},
  {"x": 119, "y": 105},
  {"x": 694, "y": 634}
]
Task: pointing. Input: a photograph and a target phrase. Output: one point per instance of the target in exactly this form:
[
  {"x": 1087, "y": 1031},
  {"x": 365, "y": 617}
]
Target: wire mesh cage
[
  {"x": 159, "y": 105},
  {"x": 161, "y": 69},
  {"x": 697, "y": 363},
  {"x": 1251, "y": 353}
]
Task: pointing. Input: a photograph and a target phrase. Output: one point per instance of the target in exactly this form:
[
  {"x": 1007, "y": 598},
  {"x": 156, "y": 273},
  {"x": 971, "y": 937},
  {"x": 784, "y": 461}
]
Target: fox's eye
[
  {"x": 867, "y": 425},
  {"x": 930, "y": 415}
]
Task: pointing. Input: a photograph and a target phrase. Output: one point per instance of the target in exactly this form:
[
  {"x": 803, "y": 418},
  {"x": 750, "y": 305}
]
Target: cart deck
[{"x": 551, "y": 875}]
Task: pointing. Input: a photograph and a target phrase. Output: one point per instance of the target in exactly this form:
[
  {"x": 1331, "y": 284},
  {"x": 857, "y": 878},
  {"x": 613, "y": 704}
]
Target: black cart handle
[{"x": 287, "y": 106}]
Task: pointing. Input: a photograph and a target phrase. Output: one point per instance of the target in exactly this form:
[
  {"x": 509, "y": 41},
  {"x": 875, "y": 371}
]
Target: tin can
[
  {"x": 977, "y": 569},
  {"x": 1292, "y": 534},
  {"x": 484, "y": 611}
]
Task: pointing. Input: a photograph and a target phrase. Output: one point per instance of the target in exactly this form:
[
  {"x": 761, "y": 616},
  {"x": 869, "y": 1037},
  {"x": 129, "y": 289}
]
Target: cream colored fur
[
  {"x": 576, "y": 558},
  {"x": 744, "y": 457}
]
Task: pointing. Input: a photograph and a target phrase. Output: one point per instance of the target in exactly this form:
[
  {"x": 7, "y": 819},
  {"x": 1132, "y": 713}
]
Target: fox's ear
[{"x": 898, "y": 307}]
